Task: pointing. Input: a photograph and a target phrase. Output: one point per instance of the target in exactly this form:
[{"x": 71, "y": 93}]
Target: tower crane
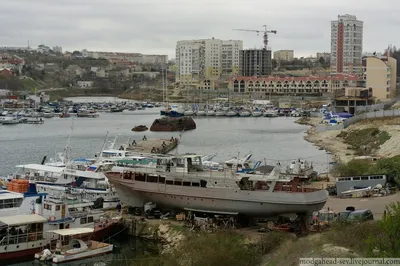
[{"x": 265, "y": 31}]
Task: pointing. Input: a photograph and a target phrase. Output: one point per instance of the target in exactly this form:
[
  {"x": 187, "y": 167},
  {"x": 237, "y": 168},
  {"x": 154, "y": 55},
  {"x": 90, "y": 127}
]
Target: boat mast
[
  {"x": 66, "y": 149},
  {"x": 102, "y": 148},
  {"x": 166, "y": 87}
]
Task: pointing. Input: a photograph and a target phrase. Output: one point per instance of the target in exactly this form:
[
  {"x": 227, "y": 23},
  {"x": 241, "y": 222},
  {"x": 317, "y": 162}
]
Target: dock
[{"x": 162, "y": 146}]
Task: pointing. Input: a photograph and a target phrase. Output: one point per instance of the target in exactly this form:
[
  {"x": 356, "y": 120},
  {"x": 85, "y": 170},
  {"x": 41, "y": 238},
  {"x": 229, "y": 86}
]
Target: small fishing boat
[
  {"x": 140, "y": 128},
  {"x": 64, "y": 115},
  {"x": 188, "y": 113},
  {"x": 256, "y": 113},
  {"x": 210, "y": 113},
  {"x": 245, "y": 113},
  {"x": 75, "y": 249},
  {"x": 220, "y": 113},
  {"x": 231, "y": 113},
  {"x": 201, "y": 113}
]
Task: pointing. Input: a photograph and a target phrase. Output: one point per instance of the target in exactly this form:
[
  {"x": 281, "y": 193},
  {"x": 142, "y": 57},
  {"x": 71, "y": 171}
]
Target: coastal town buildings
[
  {"x": 284, "y": 55},
  {"x": 346, "y": 44},
  {"x": 206, "y": 59},
  {"x": 311, "y": 85},
  {"x": 255, "y": 62},
  {"x": 135, "y": 58},
  {"x": 379, "y": 73}
]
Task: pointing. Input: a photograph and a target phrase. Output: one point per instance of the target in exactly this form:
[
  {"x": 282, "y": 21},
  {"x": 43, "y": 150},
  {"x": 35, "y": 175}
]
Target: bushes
[
  {"x": 386, "y": 166},
  {"x": 386, "y": 242},
  {"x": 364, "y": 141},
  {"x": 219, "y": 249}
]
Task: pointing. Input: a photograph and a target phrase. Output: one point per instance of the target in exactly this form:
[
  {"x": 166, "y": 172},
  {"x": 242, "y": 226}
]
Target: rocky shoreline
[{"x": 343, "y": 152}]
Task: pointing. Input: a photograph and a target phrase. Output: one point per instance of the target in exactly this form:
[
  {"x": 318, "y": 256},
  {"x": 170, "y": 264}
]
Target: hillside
[{"x": 374, "y": 137}]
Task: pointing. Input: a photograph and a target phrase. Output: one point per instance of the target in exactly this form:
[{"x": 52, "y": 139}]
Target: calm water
[{"x": 269, "y": 139}]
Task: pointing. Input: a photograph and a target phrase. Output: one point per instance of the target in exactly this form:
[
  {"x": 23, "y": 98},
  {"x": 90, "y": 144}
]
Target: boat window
[
  {"x": 178, "y": 183},
  {"x": 169, "y": 182},
  {"x": 161, "y": 179},
  {"x": 57, "y": 207},
  {"x": 364, "y": 178},
  {"x": 83, "y": 220},
  {"x": 195, "y": 184},
  {"x": 203, "y": 183},
  {"x": 152, "y": 179},
  {"x": 187, "y": 184},
  {"x": 140, "y": 177},
  {"x": 356, "y": 178},
  {"x": 47, "y": 206},
  {"x": 10, "y": 203},
  {"x": 90, "y": 219}
]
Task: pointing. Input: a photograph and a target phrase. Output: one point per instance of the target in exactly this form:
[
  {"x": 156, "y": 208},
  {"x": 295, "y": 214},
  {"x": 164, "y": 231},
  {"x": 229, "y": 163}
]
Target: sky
[{"x": 154, "y": 26}]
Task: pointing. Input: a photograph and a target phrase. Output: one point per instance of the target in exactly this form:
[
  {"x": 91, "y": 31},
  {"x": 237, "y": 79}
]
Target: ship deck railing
[{"x": 11, "y": 239}]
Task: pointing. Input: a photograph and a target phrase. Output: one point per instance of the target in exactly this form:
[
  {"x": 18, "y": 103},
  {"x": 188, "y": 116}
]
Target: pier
[{"x": 154, "y": 145}]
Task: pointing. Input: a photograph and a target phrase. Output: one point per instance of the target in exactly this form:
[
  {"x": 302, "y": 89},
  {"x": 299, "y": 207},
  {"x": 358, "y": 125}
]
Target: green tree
[
  {"x": 389, "y": 167},
  {"x": 386, "y": 244},
  {"x": 352, "y": 168}
]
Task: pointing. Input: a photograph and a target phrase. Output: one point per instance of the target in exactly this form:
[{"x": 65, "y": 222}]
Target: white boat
[
  {"x": 90, "y": 183},
  {"x": 270, "y": 113},
  {"x": 231, "y": 113},
  {"x": 188, "y": 113},
  {"x": 10, "y": 120},
  {"x": 201, "y": 113},
  {"x": 245, "y": 113},
  {"x": 210, "y": 113},
  {"x": 48, "y": 115},
  {"x": 220, "y": 113},
  {"x": 14, "y": 203},
  {"x": 256, "y": 113},
  {"x": 76, "y": 248}
]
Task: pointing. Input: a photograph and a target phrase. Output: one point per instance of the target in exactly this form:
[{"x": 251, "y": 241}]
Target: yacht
[
  {"x": 91, "y": 183},
  {"x": 220, "y": 113},
  {"x": 256, "y": 113},
  {"x": 178, "y": 183},
  {"x": 245, "y": 113},
  {"x": 9, "y": 120},
  {"x": 231, "y": 113}
]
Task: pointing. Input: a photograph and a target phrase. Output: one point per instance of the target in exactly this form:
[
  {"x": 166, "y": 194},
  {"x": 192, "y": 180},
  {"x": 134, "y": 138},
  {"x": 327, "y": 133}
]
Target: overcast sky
[{"x": 154, "y": 26}]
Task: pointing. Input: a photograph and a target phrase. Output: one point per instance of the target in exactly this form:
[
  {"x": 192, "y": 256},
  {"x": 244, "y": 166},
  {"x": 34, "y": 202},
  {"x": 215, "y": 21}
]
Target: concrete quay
[{"x": 163, "y": 146}]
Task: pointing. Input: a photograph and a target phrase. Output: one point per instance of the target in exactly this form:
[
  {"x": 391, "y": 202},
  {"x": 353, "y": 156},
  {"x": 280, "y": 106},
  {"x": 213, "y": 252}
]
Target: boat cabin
[
  {"x": 62, "y": 215},
  {"x": 18, "y": 232},
  {"x": 186, "y": 163},
  {"x": 68, "y": 240}
]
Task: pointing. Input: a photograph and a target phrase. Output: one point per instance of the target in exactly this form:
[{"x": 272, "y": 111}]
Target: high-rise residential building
[
  {"x": 255, "y": 62},
  {"x": 284, "y": 55},
  {"x": 346, "y": 44},
  {"x": 379, "y": 73},
  {"x": 57, "y": 49},
  {"x": 206, "y": 59}
]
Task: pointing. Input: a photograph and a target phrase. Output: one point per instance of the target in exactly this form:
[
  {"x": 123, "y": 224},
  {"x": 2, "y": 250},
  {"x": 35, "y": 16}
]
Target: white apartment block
[
  {"x": 206, "y": 59},
  {"x": 346, "y": 44}
]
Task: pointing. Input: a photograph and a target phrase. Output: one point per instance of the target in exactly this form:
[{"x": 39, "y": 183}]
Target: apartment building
[
  {"x": 325, "y": 56},
  {"x": 207, "y": 59},
  {"x": 284, "y": 55},
  {"x": 309, "y": 85},
  {"x": 346, "y": 44},
  {"x": 379, "y": 73},
  {"x": 255, "y": 62}
]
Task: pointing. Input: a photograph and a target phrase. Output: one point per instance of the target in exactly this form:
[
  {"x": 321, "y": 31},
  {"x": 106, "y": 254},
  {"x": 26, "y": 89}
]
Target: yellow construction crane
[{"x": 265, "y": 37}]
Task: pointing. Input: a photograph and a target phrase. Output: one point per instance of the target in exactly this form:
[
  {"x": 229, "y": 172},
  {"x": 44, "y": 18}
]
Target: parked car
[
  {"x": 360, "y": 215},
  {"x": 153, "y": 214}
]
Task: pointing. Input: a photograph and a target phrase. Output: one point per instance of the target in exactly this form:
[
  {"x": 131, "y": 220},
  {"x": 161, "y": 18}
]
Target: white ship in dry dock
[{"x": 180, "y": 182}]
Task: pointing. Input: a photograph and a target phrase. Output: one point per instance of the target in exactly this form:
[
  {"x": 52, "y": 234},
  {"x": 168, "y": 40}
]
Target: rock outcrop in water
[{"x": 173, "y": 124}]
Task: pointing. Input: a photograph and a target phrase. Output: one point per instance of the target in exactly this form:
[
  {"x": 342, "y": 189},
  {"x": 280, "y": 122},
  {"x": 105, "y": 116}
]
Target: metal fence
[
  {"x": 375, "y": 107},
  {"x": 370, "y": 115}
]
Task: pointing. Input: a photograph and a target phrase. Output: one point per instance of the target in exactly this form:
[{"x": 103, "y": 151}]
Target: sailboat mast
[
  {"x": 166, "y": 87},
  {"x": 102, "y": 148}
]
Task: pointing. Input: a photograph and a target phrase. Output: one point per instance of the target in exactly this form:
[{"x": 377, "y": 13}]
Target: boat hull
[
  {"x": 257, "y": 204},
  {"x": 83, "y": 255},
  {"x": 17, "y": 254}
]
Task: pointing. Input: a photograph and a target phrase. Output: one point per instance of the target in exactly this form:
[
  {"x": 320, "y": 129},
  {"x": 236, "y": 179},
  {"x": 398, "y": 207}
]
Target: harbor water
[{"x": 270, "y": 140}]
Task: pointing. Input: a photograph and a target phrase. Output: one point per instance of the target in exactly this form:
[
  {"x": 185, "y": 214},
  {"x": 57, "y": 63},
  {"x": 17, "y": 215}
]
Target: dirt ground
[
  {"x": 376, "y": 204},
  {"x": 341, "y": 151}
]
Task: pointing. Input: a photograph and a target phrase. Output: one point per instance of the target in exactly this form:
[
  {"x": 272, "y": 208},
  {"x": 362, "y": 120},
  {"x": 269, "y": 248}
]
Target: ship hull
[{"x": 258, "y": 204}]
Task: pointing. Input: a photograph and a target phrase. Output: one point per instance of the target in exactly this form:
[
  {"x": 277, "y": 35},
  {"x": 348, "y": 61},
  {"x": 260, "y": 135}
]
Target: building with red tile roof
[{"x": 293, "y": 85}]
